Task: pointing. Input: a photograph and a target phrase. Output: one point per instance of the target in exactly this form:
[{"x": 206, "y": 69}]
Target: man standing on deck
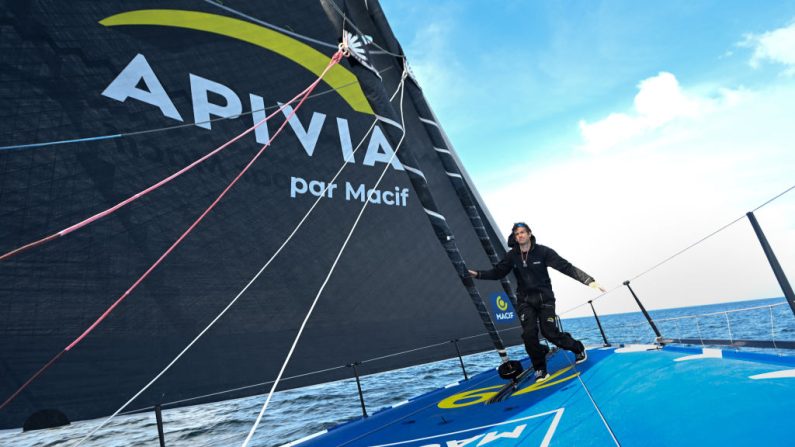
[{"x": 536, "y": 301}]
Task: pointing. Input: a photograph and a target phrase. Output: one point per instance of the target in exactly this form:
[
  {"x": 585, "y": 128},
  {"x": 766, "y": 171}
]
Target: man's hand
[
  {"x": 473, "y": 273},
  {"x": 596, "y": 285}
]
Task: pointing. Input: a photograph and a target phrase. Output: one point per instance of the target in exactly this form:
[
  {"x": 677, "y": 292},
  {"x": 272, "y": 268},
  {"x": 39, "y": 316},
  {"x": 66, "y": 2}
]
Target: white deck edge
[
  {"x": 783, "y": 374},
  {"x": 637, "y": 348},
  {"x": 306, "y": 438},
  {"x": 706, "y": 353}
]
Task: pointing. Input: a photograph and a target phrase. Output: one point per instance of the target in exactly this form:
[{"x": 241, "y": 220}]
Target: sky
[{"x": 622, "y": 132}]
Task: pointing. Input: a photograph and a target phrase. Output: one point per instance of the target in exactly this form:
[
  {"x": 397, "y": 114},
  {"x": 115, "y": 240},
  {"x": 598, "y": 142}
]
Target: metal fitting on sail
[{"x": 343, "y": 46}]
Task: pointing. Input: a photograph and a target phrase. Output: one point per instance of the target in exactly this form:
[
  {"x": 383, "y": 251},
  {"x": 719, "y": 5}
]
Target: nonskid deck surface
[{"x": 649, "y": 397}]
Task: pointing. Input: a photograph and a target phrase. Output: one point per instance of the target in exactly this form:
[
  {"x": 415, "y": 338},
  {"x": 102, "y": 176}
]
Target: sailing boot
[
  {"x": 541, "y": 375},
  {"x": 582, "y": 355}
]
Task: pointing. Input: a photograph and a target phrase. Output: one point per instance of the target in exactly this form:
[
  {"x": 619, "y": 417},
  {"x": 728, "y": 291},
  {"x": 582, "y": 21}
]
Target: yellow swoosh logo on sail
[{"x": 339, "y": 78}]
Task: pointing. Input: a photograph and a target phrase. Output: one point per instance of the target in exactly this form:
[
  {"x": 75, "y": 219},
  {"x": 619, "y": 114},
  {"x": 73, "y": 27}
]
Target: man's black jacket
[{"x": 534, "y": 278}]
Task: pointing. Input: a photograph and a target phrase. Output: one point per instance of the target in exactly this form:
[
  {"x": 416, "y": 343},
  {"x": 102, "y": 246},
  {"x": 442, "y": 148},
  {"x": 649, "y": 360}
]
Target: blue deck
[{"x": 673, "y": 396}]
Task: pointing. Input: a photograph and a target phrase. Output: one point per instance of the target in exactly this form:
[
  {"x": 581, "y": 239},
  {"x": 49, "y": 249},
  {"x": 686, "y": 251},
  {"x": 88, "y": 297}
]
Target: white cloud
[
  {"x": 660, "y": 101},
  {"x": 773, "y": 46},
  {"x": 616, "y": 213}
]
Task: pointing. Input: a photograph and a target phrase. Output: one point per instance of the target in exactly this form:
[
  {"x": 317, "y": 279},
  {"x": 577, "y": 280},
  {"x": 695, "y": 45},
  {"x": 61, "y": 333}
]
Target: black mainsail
[{"x": 101, "y": 100}]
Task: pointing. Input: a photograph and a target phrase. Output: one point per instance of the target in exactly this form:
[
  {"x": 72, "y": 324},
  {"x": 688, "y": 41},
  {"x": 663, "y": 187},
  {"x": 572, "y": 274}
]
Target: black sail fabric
[{"x": 146, "y": 88}]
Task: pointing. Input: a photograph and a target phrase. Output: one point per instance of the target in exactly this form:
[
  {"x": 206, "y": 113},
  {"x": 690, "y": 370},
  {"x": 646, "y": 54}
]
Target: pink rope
[
  {"x": 146, "y": 191},
  {"x": 334, "y": 60}
]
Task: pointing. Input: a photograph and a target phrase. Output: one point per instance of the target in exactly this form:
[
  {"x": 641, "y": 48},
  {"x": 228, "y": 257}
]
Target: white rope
[
  {"x": 328, "y": 276},
  {"x": 598, "y": 411},
  {"x": 231, "y": 303},
  {"x": 593, "y": 401}
]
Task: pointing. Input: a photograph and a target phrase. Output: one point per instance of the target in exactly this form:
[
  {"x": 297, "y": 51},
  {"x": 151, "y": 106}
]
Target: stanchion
[
  {"x": 645, "y": 314},
  {"x": 599, "y": 323},
  {"x": 771, "y": 258},
  {"x": 159, "y": 418},
  {"x": 359, "y": 386},
  {"x": 460, "y": 359}
]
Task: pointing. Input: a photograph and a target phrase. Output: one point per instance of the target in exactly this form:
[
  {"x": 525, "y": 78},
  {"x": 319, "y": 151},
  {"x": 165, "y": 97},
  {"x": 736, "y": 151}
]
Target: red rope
[
  {"x": 334, "y": 60},
  {"x": 146, "y": 191}
]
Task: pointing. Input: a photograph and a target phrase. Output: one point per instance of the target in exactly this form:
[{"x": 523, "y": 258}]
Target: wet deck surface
[{"x": 673, "y": 396}]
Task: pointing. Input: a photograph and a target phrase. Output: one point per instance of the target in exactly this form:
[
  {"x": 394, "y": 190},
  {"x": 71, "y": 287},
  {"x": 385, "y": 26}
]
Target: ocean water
[{"x": 297, "y": 413}]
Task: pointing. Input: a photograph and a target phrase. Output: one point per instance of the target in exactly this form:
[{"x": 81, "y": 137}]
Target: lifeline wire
[
  {"x": 231, "y": 303},
  {"x": 328, "y": 276},
  {"x": 686, "y": 248},
  {"x": 118, "y": 301},
  {"x": 166, "y": 128}
]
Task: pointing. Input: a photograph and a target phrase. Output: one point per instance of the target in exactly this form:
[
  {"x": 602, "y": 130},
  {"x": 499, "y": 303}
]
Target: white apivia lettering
[
  {"x": 203, "y": 109},
  {"x": 258, "y": 113},
  {"x": 379, "y": 150},
  {"x": 211, "y": 99},
  {"x": 307, "y": 137},
  {"x": 125, "y": 86},
  {"x": 345, "y": 140}
]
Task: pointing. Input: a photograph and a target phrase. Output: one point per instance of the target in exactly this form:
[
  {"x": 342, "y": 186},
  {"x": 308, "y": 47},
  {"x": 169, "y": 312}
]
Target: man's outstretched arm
[
  {"x": 499, "y": 271},
  {"x": 555, "y": 261}
]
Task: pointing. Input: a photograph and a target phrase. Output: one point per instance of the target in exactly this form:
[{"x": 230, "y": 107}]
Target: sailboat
[{"x": 177, "y": 230}]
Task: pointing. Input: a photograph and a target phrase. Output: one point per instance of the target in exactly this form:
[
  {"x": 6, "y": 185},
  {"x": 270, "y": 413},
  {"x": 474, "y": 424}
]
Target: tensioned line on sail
[
  {"x": 350, "y": 23},
  {"x": 242, "y": 291},
  {"x": 439, "y": 225},
  {"x": 334, "y": 60},
  {"x": 462, "y": 189},
  {"x": 401, "y": 87},
  {"x": 151, "y": 188},
  {"x": 167, "y": 128},
  {"x": 666, "y": 260}
]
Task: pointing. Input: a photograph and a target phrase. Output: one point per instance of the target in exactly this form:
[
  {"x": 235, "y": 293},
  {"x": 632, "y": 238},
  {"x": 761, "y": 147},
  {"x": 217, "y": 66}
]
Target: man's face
[{"x": 522, "y": 235}]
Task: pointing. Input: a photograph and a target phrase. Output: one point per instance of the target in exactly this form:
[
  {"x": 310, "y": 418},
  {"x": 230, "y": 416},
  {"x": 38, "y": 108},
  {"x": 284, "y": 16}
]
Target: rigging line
[
  {"x": 153, "y": 187},
  {"x": 593, "y": 401},
  {"x": 297, "y": 376},
  {"x": 234, "y": 300},
  {"x": 774, "y": 198},
  {"x": 231, "y": 390},
  {"x": 583, "y": 304},
  {"x": 353, "y": 25},
  {"x": 331, "y": 271},
  {"x": 407, "y": 351},
  {"x": 110, "y": 309},
  {"x": 270, "y": 25},
  {"x": 174, "y": 127},
  {"x": 688, "y": 247},
  {"x": 711, "y": 234}
]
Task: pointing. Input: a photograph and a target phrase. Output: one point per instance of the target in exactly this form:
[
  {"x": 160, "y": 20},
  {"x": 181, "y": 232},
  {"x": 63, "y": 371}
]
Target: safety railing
[{"x": 735, "y": 335}]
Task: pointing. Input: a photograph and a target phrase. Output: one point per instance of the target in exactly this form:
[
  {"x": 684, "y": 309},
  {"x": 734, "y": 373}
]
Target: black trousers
[{"x": 535, "y": 316}]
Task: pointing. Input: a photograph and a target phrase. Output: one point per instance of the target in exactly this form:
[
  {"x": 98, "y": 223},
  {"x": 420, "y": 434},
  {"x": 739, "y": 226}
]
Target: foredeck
[{"x": 647, "y": 396}]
